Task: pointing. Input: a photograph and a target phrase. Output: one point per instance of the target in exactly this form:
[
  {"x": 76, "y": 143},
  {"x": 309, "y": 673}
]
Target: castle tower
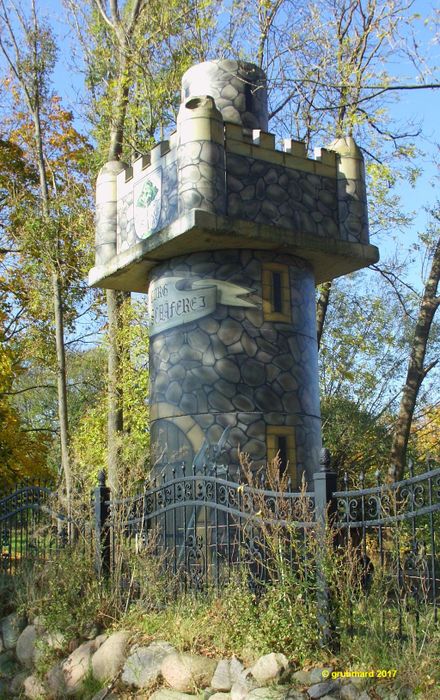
[{"x": 229, "y": 236}]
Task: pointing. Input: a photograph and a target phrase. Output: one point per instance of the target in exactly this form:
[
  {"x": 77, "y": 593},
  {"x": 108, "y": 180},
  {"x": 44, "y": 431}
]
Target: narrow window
[
  {"x": 282, "y": 453},
  {"x": 276, "y": 292},
  {"x": 280, "y": 441}
]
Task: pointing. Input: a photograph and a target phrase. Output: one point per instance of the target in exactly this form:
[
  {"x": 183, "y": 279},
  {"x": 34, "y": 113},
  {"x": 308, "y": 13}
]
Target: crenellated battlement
[
  {"x": 222, "y": 163},
  {"x": 254, "y": 143}
]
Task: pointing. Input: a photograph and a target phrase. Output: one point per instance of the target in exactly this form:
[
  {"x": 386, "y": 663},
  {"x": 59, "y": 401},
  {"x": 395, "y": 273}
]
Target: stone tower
[{"x": 229, "y": 236}]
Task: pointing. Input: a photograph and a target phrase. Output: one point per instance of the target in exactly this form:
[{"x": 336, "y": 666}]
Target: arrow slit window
[
  {"x": 276, "y": 292},
  {"x": 280, "y": 442}
]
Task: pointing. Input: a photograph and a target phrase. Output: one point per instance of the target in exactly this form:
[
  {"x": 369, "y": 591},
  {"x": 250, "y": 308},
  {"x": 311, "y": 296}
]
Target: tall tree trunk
[
  {"x": 115, "y": 423},
  {"x": 321, "y": 309},
  {"x": 63, "y": 415},
  {"x": 57, "y": 300},
  {"x": 416, "y": 368}
]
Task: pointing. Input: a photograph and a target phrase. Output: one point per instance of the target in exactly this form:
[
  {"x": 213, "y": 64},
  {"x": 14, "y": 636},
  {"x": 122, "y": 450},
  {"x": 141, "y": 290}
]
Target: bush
[{"x": 65, "y": 593}]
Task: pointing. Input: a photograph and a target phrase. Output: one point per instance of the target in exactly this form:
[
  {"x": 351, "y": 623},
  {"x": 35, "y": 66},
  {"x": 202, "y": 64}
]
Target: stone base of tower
[{"x": 233, "y": 345}]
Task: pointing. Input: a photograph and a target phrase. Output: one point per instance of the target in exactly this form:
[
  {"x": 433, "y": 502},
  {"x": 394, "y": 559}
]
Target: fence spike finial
[
  {"x": 101, "y": 478},
  {"x": 377, "y": 474}
]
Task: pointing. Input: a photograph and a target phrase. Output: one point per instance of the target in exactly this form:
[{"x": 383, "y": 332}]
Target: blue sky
[{"x": 420, "y": 108}]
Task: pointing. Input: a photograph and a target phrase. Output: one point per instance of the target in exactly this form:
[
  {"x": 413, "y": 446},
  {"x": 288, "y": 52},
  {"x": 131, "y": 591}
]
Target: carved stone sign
[{"x": 174, "y": 301}]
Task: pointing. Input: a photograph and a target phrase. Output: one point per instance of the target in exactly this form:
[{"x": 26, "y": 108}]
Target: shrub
[{"x": 65, "y": 593}]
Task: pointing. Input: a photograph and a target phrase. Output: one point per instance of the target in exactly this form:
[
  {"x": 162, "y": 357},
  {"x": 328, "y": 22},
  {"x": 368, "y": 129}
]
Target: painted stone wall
[
  {"x": 217, "y": 361},
  {"x": 272, "y": 194},
  {"x": 238, "y": 88}
]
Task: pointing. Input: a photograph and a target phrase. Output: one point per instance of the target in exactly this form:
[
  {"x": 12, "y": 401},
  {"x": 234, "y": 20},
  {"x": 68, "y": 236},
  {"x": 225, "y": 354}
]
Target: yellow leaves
[
  {"x": 425, "y": 434},
  {"x": 21, "y": 454}
]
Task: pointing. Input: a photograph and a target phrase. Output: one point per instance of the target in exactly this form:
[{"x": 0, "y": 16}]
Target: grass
[{"x": 282, "y": 618}]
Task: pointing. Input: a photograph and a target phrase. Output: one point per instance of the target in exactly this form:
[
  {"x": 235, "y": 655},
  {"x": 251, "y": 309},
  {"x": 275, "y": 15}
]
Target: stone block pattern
[
  {"x": 272, "y": 194},
  {"x": 234, "y": 368},
  {"x": 238, "y": 88},
  {"x": 353, "y": 211},
  {"x": 201, "y": 175}
]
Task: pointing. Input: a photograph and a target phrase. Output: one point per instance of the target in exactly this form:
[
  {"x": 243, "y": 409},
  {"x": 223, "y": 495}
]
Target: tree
[
  {"x": 425, "y": 434},
  {"x": 56, "y": 151},
  {"x": 22, "y": 453},
  {"x": 358, "y": 440},
  {"x": 89, "y": 436},
  {"x": 138, "y": 53},
  {"x": 417, "y": 368}
]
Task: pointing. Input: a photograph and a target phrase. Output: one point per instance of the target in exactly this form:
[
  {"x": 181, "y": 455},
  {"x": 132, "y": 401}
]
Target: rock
[
  {"x": 34, "y": 688},
  {"x": 239, "y": 690},
  {"x": 55, "y": 681},
  {"x": 220, "y": 696},
  {"x": 143, "y": 666},
  {"x": 103, "y": 694},
  {"x": 267, "y": 694},
  {"x": 186, "y": 672},
  {"x": 109, "y": 658},
  {"x": 169, "y": 694},
  {"x": 25, "y": 648},
  {"x": 76, "y": 667},
  {"x": 320, "y": 689},
  {"x": 16, "y": 685},
  {"x": 269, "y": 668},
  {"x": 316, "y": 674},
  {"x": 221, "y": 679},
  {"x": 302, "y": 677},
  {"x": 55, "y": 640},
  {"x": 349, "y": 692},
  {"x": 91, "y": 631},
  {"x": 8, "y": 664},
  {"x": 11, "y": 628},
  {"x": 242, "y": 687},
  {"x": 227, "y": 672},
  {"x": 38, "y": 623}
]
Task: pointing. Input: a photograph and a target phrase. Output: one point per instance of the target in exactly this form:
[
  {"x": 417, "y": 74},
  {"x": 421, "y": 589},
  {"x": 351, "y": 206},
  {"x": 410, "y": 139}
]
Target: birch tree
[
  {"x": 42, "y": 225},
  {"x": 30, "y": 52}
]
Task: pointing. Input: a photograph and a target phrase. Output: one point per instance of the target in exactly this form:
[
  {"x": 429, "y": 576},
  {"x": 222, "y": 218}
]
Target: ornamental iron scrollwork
[{"x": 195, "y": 562}]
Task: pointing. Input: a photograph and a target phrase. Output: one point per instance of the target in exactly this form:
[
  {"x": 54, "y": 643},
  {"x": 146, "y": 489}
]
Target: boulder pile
[{"x": 126, "y": 668}]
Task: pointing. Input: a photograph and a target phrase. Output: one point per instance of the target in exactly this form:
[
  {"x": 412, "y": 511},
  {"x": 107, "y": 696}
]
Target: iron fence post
[
  {"x": 102, "y": 527},
  {"x": 324, "y": 487}
]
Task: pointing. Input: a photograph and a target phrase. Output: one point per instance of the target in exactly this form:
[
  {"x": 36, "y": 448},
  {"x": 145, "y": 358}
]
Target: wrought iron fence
[
  {"x": 203, "y": 524},
  {"x": 34, "y": 525},
  {"x": 395, "y": 528}
]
